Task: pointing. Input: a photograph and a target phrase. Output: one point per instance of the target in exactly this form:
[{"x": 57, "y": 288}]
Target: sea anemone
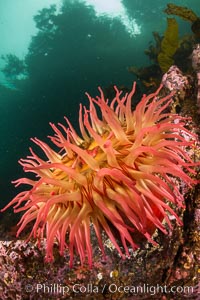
[{"x": 121, "y": 172}]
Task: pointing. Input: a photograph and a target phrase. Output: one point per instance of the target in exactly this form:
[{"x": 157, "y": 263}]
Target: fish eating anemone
[{"x": 120, "y": 172}]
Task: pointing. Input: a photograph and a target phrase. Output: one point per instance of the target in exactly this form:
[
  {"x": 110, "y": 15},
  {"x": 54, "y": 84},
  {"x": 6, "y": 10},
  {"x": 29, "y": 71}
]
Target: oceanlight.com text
[{"x": 59, "y": 289}]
